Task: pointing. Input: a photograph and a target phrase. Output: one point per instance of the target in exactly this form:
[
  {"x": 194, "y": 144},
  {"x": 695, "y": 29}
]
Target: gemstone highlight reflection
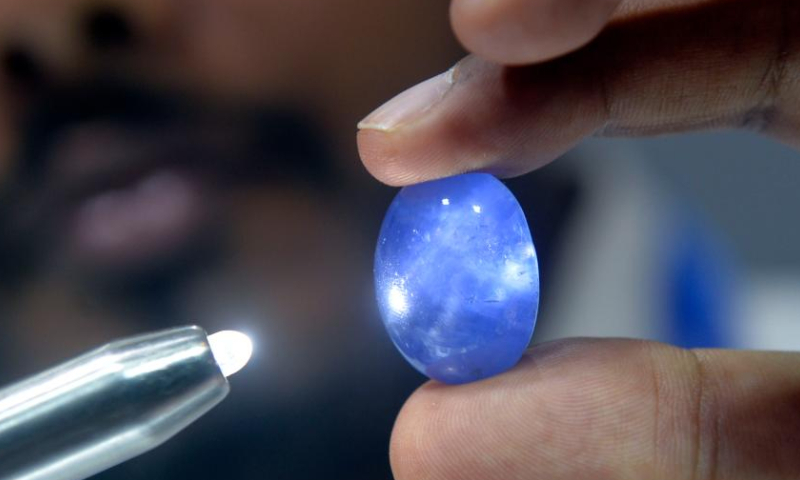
[{"x": 457, "y": 278}]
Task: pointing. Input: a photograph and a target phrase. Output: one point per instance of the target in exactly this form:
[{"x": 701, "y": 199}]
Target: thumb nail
[{"x": 411, "y": 105}]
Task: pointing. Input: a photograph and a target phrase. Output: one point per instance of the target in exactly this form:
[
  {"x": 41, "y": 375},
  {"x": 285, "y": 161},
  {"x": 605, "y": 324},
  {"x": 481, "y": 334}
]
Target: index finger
[{"x": 516, "y": 32}]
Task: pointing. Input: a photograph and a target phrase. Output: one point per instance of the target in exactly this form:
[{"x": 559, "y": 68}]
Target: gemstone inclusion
[{"x": 457, "y": 278}]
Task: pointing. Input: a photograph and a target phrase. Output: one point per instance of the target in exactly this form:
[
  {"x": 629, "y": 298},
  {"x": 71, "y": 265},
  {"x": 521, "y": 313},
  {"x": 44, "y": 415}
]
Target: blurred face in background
[
  {"x": 166, "y": 159},
  {"x": 174, "y": 162}
]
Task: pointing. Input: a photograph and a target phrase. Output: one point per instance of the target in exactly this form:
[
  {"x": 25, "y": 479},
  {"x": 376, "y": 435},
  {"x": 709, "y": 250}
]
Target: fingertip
[
  {"x": 504, "y": 121},
  {"x": 406, "y": 156},
  {"x": 407, "y": 454},
  {"x": 518, "y": 32},
  {"x": 531, "y": 422},
  {"x": 432, "y": 434},
  {"x": 379, "y": 155}
]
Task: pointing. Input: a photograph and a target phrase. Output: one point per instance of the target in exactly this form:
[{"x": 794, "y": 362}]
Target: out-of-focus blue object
[
  {"x": 701, "y": 286},
  {"x": 457, "y": 278}
]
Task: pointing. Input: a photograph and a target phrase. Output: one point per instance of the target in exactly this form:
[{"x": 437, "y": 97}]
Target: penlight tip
[{"x": 231, "y": 349}]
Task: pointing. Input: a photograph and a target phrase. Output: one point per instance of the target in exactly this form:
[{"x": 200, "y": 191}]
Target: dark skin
[{"x": 545, "y": 74}]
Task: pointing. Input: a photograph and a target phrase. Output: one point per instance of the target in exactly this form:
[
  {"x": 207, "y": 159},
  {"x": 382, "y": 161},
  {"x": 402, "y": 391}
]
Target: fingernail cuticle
[{"x": 410, "y": 105}]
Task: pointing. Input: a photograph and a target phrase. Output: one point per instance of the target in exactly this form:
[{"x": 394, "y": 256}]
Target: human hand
[
  {"x": 659, "y": 66},
  {"x": 598, "y": 409},
  {"x": 609, "y": 409}
]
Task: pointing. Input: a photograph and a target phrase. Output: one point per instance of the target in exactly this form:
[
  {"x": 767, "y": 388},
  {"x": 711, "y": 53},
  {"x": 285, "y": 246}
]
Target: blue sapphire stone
[{"x": 456, "y": 277}]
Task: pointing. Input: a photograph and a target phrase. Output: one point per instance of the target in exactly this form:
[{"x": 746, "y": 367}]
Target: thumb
[{"x": 667, "y": 67}]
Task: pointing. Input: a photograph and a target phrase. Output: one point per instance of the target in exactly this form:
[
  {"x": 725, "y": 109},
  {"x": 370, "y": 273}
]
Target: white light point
[
  {"x": 445, "y": 201},
  {"x": 397, "y": 300},
  {"x": 232, "y": 350},
  {"x": 476, "y": 208}
]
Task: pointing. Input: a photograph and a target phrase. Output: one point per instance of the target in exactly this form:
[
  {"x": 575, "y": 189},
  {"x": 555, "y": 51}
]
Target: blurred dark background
[{"x": 169, "y": 162}]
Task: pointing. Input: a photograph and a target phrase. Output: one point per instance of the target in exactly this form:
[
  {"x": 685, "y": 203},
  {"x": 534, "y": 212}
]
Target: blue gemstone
[{"x": 456, "y": 277}]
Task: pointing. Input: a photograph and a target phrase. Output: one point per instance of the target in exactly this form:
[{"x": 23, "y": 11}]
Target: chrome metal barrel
[{"x": 107, "y": 406}]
